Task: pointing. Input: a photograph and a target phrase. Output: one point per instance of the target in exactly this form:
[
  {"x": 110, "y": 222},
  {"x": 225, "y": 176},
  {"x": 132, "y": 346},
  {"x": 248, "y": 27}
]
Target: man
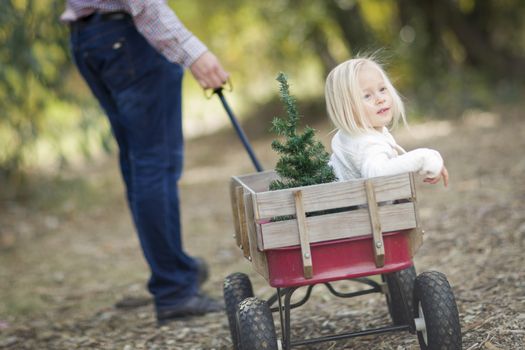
[{"x": 132, "y": 55}]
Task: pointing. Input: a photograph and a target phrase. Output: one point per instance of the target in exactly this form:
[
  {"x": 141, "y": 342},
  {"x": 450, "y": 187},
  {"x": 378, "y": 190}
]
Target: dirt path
[{"x": 69, "y": 264}]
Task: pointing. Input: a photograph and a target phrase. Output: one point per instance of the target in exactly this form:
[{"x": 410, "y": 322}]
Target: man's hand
[
  {"x": 208, "y": 71},
  {"x": 435, "y": 180}
]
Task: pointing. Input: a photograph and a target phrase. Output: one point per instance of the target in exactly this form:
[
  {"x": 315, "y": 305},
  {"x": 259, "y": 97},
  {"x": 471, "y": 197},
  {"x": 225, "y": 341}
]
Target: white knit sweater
[{"x": 377, "y": 154}]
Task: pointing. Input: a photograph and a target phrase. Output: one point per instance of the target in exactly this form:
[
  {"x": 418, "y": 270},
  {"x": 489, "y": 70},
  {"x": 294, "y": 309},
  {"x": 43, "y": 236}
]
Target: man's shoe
[
  {"x": 132, "y": 302},
  {"x": 196, "y": 305}
]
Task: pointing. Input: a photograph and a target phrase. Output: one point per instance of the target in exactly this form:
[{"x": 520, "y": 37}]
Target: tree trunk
[
  {"x": 319, "y": 42},
  {"x": 479, "y": 50},
  {"x": 355, "y": 31}
]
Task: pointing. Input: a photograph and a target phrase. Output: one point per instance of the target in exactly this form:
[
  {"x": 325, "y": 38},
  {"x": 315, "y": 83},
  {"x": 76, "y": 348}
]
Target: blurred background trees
[
  {"x": 46, "y": 115},
  {"x": 444, "y": 55}
]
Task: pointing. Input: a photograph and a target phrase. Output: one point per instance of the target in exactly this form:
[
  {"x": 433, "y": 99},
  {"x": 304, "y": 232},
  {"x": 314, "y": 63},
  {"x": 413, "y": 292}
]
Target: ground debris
[{"x": 63, "y": 286}]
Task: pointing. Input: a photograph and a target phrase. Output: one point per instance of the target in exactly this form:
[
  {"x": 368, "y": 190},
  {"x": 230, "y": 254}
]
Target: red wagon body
[{"x": 337, "y": 260}]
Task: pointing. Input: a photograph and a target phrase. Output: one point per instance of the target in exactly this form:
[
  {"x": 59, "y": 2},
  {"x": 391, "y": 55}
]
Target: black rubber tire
[
  {"x": 236, "y": 288},
  {"x": 433, "y": 297},
  {"x": 255, "y": 325},
  {"x": 400, "y": 297}
]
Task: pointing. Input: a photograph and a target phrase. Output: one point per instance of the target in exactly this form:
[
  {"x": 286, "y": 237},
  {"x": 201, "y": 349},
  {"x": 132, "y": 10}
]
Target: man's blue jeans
[{"x": 140, "y": 92}]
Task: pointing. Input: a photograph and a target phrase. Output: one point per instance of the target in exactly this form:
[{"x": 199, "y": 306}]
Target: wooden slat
[
  {"x": 257, "y": 182},
  {"x": 306, "y": 254},
  {"x": 377, "y": 235},
  {"x": 339, "y": 225},
  {"x": 234, "y": 184},
  {"x": 257, "y": 226},
  {"x": 243, "y": 231},
  {"x": 258, "y": 258},
  {"x": 332, "y": 195},
  {"x": 416, "y": 235}
]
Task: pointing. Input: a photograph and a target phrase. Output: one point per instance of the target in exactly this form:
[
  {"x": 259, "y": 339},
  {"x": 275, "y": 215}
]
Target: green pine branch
[{"x": 303, "y": 160}]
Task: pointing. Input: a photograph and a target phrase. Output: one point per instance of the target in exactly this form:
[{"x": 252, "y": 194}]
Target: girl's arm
[{"x": 376, "y": 162}]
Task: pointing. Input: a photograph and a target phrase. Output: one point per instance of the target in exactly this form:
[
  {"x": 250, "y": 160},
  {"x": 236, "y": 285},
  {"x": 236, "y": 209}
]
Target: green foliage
[
  {"x": 30, "y": 57},
  {"x": 435, "y": 50},
  {"x": 304, "y": 160},
  {"x": 445, "y": 56},
  {"x": 40, "y": 120}
]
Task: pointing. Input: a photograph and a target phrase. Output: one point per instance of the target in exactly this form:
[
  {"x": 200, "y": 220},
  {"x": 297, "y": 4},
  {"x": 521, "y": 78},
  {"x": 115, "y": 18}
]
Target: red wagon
[{"x": 349, "y": 230}]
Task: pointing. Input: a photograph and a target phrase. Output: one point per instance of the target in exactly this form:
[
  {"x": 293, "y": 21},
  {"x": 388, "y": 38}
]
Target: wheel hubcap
[{"x": 420, "y": 324}]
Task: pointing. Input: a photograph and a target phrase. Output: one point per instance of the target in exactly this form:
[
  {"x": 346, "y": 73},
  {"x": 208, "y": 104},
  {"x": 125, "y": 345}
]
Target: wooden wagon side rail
[
  {"x": 338, "y": 225},
  {"x": 239, "y": 186},
  {"x": 331, "y": 195},
  {"x": 247, "y": 231},
  {"x": 266, "y": 220}
]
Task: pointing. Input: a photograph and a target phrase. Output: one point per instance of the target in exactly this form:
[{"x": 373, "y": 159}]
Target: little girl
[{"x": 361, "y": 102}]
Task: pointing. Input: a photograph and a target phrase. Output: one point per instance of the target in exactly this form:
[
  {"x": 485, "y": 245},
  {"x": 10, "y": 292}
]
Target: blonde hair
[{"x": 344, "y": 101}]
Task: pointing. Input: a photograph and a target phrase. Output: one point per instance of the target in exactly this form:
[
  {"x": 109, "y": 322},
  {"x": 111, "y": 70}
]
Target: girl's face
[{"x": 377, "y": 100}]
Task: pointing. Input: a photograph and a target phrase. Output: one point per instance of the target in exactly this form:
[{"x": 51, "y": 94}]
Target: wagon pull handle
[
  {"x": 373, "y": 211},
  {"x": 228, "y": 86},
  {"x": 236, "y": 124},
  {"x": 304, "y": 238}
]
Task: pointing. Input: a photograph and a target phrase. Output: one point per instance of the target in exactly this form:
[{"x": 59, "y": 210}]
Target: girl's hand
[{"x": 435, "y": 180}]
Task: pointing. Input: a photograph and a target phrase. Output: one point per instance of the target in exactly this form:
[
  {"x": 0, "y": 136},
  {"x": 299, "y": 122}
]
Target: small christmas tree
[{"x": 304, "y": 161}]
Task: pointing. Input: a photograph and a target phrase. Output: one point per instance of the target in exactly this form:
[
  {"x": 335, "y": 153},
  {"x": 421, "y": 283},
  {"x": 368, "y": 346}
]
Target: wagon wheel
[
  {"x": 255, "y": 325},
  {"x": 237, "y": 287},
  {"x": 437, "y": 320},
  {"x": 400, "y": 295}
]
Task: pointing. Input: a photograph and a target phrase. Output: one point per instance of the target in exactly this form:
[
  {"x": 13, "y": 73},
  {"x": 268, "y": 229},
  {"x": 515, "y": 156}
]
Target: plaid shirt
[{"x": 154, "y": 19}]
